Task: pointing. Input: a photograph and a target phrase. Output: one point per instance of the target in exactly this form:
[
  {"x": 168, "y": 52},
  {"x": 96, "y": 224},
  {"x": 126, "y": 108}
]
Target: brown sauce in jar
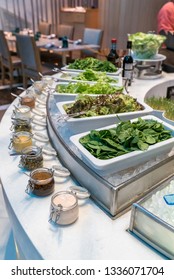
[{"x": 42, "y": 183}]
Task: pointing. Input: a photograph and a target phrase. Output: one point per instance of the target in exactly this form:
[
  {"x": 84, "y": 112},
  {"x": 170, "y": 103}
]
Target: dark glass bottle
[
  {"x": 128, "y": 64},
  {"x": 113, "y": 56}
]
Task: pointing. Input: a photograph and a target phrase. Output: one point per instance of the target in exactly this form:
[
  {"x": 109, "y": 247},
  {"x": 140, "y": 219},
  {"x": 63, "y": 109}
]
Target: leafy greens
[
  {"x": 144, "y": 45},
  {"x": 85, "y": 88},
  {"x": 126, "y": 137},
  {"x": 94, "y": 64},
  {"x": 102, "y": 105}
]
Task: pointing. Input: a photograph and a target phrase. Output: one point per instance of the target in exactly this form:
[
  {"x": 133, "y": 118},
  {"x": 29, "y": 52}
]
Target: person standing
[{"x": 165, "y": 19}]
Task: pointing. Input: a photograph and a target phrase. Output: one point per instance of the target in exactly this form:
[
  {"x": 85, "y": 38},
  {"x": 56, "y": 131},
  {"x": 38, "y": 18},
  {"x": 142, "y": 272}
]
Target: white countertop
[{"x": 93, "y": 236}]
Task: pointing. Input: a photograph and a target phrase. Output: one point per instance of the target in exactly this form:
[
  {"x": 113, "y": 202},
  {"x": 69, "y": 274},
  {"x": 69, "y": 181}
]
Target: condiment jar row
[{"x": 64, "y": 207}]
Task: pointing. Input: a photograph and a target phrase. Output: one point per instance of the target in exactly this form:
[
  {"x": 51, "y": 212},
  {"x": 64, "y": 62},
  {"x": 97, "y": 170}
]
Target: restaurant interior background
[{"x": 116, "y": 17}]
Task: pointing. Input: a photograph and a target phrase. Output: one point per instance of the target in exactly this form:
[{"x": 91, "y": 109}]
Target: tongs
[{"x": 65, "y": 117}]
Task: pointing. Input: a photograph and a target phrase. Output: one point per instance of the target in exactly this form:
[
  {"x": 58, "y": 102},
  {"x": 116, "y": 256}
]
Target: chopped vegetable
[
  {"x": 94, "y": 64},
  {"x": 126, "y": 137},
  {"x": 144, "y": 45},
  {"x": 103, "y": 105}
]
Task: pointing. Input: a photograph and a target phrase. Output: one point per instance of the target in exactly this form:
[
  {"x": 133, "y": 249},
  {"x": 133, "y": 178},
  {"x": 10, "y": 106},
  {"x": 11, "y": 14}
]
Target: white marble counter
[{"x": 93, "y": 236}]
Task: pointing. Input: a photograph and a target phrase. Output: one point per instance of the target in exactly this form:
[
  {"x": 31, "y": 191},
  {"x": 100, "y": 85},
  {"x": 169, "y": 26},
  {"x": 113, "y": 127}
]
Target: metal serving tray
[
  {"x": 151, "y": 222},
  {"x": 114, "y": 193}
]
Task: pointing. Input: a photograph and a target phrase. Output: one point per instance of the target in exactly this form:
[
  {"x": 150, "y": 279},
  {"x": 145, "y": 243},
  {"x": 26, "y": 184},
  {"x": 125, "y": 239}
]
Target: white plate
[
  {"x": 65, "y": 68},
  {"x": 127, "y": 160},
  {"x": 118, "y": 78}
]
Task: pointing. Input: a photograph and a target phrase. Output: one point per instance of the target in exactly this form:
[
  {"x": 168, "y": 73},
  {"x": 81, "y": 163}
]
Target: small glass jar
[
  {"x": 64, "y": 209},
  {"x": 48, "y": 80},
  {"x": 22, "y": 112},
  {"x": 21, "y": 140},
  {"x": 38, "y": 87},
  {"x": 28, "y": 100},
  {"x": 41, "y": 182},
  {"x": 21, "y": 125},
  {"x": 31, "y": 158}
]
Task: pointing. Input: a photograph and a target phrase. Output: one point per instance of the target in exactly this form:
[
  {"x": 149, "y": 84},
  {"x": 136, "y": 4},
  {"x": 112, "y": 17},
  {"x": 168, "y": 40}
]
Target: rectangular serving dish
[
  {"x": 151, "y": 219},
  {"x": 127, "y": 160},
  {"x": 83, "y": 124},
  {"x": 75, "y": 94},
  {"x": 66, "y": 68},
  {"x": 66, "y": 78}
]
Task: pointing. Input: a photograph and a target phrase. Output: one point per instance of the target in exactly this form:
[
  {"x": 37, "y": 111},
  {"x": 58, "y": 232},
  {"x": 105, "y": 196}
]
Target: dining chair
[
  {"x": 30, "y": 57},
  {"x": 8, "y": 62},
  {"x": 65, "y": 30},
  {"x": 44, "y": 27},
  {"x": 94, "y": 37}
]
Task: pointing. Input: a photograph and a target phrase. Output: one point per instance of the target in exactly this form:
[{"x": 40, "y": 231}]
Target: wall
[
  {"x": 117, "y": 17},
  {"x": 122, "y": 17}
]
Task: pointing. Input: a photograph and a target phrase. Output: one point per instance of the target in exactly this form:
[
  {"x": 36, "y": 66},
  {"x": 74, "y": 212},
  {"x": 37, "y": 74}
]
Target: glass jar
[
  {"x": 31, "y": 158},
  {"x": 21, "y": 125},
  {"x": 22, "y": 112},
  {"x": 28, "y": 100},
  {"x": 64, "y": 209},
  {"x": 21, "y": 140},
  {"x": 38, "y": 87},
  {"x": 41, "y": 182},
  {"x": 48, "y": 80}
]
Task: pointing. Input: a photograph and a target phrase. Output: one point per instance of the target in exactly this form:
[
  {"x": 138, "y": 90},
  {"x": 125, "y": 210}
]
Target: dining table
[{"x": 54, "y": 45}]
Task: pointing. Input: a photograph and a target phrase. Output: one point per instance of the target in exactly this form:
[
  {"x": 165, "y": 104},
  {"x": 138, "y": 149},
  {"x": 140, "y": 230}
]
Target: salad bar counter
[{"x": 116, "y": 156}]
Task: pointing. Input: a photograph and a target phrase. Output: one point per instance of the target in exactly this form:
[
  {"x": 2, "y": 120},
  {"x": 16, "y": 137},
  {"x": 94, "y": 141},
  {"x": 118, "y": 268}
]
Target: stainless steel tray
[
  {"x": 114, "y": 193},
  {"x": 152, "y": 223}
]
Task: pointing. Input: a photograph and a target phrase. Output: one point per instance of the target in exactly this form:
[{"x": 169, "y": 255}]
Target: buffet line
[{"x": 83, "y": 123}]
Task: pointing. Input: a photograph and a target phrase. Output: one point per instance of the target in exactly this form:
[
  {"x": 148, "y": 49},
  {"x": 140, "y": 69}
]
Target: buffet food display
[{"x": 110, "y": 142}]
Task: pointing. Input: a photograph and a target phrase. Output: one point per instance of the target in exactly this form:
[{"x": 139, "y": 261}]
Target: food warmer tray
[
  {"x": 152, "y": 226},
  {"x": 114, "y": 193}
]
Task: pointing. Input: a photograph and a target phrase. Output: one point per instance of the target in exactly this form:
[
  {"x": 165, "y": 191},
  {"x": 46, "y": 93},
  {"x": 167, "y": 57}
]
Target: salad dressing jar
[
  {"x": 21, "y": 140},
  {"x": 22, "y": 112},
  {"x": 64, "y": 209},
  {"x": 31, "y": 158},
  {"x": 41, "y": 182},
  {"x": 21, "y": 125},
  {"x": 28, "y": 99}
]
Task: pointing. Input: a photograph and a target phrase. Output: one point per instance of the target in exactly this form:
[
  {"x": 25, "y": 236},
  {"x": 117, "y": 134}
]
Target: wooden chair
[
  {"x": 44, "y": 27},
  {"x": 8, "y": 62},
  {"x": 92, "y": 36},
  {"x": 30, "y": 57}
]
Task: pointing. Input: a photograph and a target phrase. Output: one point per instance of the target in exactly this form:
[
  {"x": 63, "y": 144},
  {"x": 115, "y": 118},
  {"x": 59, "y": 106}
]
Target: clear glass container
[
  {"x": 22, "y": 112},
  {"x": 21, "y": 140},
  {"x": 28, "y": 99},
  {"x": 64, "y": 208},
  {"x": 21, "y": 125},
  {"x": 41, "y": 182},
  {"x": 31, "y": 158}
]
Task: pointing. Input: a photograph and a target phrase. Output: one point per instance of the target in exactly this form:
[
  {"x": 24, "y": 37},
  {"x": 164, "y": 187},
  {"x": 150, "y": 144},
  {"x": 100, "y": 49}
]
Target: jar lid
[
  {"x": 31, "y": 151},
  {"x": 65, "y": 200}
]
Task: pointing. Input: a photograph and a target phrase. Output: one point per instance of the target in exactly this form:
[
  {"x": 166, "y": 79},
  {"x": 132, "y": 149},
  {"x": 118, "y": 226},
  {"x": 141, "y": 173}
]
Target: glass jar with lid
[
  {"x": 28, "y": 100},
  {"x": 64, "y": 208},
  {"x": 22, "y": 112},
  {"x": 31, "y": 158},
  {"x": 21, "y": 125},
  {"x": 41, "y": 182},
  {"x": 21, "y": 140}
]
